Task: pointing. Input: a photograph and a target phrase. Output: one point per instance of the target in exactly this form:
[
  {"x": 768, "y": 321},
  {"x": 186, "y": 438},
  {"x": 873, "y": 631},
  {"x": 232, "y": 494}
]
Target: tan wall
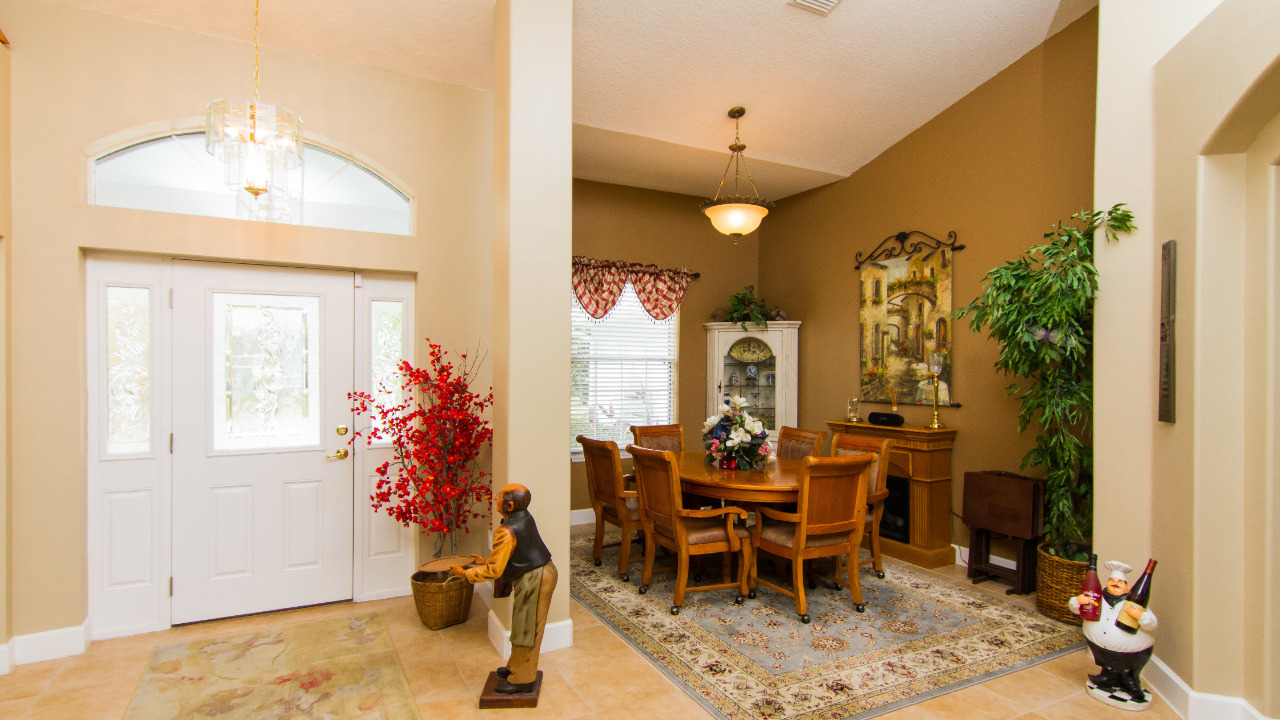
[
  {"x": 998, "y": 167},
  {"x": 6, "y": 228},
  {"x": 79, "y": 76},
  {"x": 611, "y": 222},
  {"x": 1195, "y": 494}
]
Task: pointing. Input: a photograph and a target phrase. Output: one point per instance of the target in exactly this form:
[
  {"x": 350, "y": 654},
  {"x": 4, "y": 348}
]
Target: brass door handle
[{"x": 340, "y": 455}]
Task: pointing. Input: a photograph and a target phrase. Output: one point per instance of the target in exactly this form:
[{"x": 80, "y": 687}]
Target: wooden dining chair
[
  {"x": 610, "y": 501},
  {"x": 685, "y": 532},
  {"x": 829, "y": 522},
  {"x": 659, "y": 437},
  {"x": 877, "y": 491},
  {"x": 796, "y": 444}
]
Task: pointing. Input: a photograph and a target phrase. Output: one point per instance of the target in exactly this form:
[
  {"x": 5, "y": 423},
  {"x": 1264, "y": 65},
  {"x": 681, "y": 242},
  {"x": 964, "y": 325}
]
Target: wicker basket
[
  {"x": 442, "y": 599},
  {"x": 1057, "y": 581}
]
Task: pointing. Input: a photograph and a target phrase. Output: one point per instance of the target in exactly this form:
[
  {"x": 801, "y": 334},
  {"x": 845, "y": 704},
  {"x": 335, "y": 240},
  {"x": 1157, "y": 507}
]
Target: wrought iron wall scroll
[{"x": 898, "y": 246}]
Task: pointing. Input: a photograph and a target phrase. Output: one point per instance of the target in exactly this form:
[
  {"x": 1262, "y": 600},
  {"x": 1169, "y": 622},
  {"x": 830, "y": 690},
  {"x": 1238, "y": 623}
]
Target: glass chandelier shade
[
  {"x": 260, "y": 147},
  {"x": 736, "y": 215}
]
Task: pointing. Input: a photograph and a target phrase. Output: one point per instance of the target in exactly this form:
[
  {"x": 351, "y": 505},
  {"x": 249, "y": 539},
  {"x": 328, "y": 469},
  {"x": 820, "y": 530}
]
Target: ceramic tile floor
[{"x": 601, "y": 676}]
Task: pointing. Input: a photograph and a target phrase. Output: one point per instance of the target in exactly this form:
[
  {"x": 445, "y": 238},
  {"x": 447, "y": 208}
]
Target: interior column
[{"x": 533, "y": 205}]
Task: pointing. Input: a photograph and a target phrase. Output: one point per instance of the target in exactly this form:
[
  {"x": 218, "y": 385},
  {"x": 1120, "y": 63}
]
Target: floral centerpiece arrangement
[
  {"x": 735, "y": 439},
  {"x": 436, "y": 433}
]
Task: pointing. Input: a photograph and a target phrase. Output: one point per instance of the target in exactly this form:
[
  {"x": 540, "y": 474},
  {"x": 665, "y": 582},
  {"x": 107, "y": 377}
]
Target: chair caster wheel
[
  {"x": 880, "y": 574},
  {"x": 675, "y": 609},
  {"x": 739, "y": 600},
  {"x": 752, "y": 594},
  {"x": 644, "y": 589},
  {"x": 598, "y": 562},
  {"x": 804, "y": 619},
  {"x": 625, "y": 577},
  {"x": 812, "y": 584},
  {"x": 697, "y": 577},
  {"x": 860, "y": 607}
]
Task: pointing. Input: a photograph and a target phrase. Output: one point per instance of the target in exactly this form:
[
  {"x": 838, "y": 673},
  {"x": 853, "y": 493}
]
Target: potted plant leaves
[{"x": 1039, "y": 308}]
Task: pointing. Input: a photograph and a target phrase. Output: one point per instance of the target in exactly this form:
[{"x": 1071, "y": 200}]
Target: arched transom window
[{"x": 174, "y": 174}]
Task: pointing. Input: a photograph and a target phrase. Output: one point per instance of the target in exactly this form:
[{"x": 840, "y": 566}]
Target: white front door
[{"x": 262, "y": 481}]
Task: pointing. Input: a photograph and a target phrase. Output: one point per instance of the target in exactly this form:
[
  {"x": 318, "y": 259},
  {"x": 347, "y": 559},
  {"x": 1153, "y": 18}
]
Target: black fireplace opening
[{"x": 895, "y": 524}]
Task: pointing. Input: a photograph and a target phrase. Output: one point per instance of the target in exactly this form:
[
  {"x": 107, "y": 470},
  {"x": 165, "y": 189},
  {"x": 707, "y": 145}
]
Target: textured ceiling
[{"x": 653, "y": 79}]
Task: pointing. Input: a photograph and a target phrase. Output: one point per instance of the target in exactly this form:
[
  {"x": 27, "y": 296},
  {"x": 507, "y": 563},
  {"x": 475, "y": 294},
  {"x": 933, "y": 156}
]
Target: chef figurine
[
  {"x": 520, "y": 565},
  {"x": 1120, "y": 655}
]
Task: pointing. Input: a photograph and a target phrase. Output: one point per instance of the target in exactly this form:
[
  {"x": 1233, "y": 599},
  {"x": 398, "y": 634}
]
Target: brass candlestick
[{"x": 935, "y": 424}]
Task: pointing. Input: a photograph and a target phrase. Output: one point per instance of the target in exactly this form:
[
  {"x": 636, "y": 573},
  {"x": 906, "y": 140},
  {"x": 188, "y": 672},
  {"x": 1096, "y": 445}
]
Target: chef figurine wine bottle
[{"x": 1120, "y": 637}]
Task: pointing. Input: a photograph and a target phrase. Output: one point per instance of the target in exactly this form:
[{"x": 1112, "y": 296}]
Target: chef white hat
[{"x": 1118, "y": 570}]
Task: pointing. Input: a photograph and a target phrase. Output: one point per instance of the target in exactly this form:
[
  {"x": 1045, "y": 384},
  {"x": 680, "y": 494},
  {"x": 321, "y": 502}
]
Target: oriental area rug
[
  {"x": 339, "y": 668},
  {"x": 919, "y": 638}
]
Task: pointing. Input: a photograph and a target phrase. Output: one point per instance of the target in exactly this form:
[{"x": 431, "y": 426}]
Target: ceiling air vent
[{"x": 822, "y": 7}]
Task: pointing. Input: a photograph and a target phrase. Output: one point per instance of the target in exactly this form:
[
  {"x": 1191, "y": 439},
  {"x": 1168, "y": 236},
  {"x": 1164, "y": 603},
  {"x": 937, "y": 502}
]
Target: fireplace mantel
[{"x": 923, "y": 456}]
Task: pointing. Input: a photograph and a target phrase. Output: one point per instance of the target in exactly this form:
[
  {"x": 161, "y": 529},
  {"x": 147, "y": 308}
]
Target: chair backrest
[
  {"x": 604, "y": 470},
  {"x": 796, "y": 444},
  {"x": 659, "y": 437},
  {"x": 833, "y": 493},
  {"x": 843, "y": 444},
  {"x": 658, "y": 480}
]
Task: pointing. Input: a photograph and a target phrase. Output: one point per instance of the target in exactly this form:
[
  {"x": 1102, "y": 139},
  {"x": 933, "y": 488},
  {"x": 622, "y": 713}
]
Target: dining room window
[{"x": 622, "y": 371}]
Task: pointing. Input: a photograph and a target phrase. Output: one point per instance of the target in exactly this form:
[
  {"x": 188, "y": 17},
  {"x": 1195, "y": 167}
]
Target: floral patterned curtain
[{"x": 599, "y": 283}]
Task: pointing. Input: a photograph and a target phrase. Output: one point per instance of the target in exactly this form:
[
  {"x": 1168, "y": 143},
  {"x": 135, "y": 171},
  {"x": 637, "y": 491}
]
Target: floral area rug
[
  {"x": 920, "y": 637},
  {"x": 340, "y": 668}
]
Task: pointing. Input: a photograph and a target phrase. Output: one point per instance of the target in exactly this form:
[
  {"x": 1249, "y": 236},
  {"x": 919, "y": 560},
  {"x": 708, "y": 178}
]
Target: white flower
[
  {"x": 731, "y": 441},
  {"x": 755, "y": 427},
  {"x": 738, "y": 401},
  {"x": 740, "y": 436},
  {"x": 710, "y": 423}
]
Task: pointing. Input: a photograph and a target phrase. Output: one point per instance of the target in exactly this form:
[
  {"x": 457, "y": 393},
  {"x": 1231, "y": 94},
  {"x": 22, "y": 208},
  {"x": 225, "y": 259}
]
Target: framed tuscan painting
[{"x": 904, "y": 320}]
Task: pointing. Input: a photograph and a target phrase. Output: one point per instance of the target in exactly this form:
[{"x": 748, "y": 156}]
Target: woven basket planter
[
  {"x": 1057, "y": 581},
  {"x": 442, "y": 599}
]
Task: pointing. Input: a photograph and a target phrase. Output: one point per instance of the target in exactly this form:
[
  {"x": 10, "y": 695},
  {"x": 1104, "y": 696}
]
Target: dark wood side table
[
  {"x": 1009, "y": 504},
  {"x": 923, "y": 456}
]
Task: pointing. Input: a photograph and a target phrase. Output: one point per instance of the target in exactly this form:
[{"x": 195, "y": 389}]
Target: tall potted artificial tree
[
  {"x": 435, "y": 427},
  {"x": 1039, "y": 308}
]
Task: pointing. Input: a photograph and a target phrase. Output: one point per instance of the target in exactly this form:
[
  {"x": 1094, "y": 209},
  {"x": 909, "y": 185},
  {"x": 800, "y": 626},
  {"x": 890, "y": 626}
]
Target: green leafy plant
[
  {"x": 1039, "y": 308},
  {"x": 745, "y": 307}
]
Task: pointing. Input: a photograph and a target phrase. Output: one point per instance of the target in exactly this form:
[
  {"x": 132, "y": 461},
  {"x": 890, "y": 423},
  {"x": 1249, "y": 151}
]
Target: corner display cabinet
[{"x": 760, "y": 364}]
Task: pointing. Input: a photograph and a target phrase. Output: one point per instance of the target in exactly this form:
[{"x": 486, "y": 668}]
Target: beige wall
[
  {"x": 1199, "y": 91},
  {"x": 611, "y": 222},
  {"x": 998, "y": 167},
  {"x": 6, "y": 228},
  {"x": 79, "y": 76}
]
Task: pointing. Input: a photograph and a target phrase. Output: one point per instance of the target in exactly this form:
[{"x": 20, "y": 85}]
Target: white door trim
[{"x": 137, "y": 601}]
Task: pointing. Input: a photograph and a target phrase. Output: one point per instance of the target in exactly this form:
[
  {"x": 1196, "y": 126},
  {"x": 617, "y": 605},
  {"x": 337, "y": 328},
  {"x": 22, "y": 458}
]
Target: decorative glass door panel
[
  {"x": 128, "y": 351},
  {"x": 751, "y": 372},
  {"x": 265, "y": 356}
]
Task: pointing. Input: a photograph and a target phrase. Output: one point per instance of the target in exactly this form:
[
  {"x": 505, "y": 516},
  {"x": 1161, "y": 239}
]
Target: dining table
[{"x": 776, "y": 482}]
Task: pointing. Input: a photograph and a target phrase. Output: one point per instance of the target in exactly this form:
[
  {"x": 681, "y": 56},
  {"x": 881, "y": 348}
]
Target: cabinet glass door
[{"x": 751, "y": 372}]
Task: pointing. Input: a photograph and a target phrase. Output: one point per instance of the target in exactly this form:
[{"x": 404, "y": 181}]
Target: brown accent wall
[
  {"x": 998, "y": 167},
  {"x": 612, "y": 222}
]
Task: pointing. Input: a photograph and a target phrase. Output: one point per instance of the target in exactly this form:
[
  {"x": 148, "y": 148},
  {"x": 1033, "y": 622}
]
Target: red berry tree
[{"x": 436, "y": 433}]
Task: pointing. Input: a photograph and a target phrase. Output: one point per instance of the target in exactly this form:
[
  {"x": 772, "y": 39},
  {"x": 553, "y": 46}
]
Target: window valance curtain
[{"x": 598, "y": 284}]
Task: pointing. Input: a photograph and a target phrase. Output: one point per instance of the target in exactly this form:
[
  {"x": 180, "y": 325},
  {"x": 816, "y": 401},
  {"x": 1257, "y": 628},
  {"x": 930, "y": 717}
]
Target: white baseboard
[
  {"x": 962, "y": 558},
  {"x": 116, "y": 632},
  {"x": 1192, "y": 705},
  {"x": 49, "y": 645},
  {"x": 555, "y": 636},
  {"x": 6, "y": 659},
  {"x": 582, "y": 517}
]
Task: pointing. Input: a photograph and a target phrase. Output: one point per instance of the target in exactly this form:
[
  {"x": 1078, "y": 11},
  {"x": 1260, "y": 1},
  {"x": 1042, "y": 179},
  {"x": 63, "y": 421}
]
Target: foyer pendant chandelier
[
  {"x": 736, "y": 215},
  {"x": 260, "y": 147}
]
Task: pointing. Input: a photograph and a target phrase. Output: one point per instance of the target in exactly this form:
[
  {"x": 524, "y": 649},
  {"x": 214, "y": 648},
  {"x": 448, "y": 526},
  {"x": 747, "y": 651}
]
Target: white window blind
[{"x": 622, "y": 373}]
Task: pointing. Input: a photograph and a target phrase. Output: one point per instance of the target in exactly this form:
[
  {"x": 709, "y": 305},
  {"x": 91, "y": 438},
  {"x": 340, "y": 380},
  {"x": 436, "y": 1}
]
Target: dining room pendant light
[
  {"x": 260, "y": 146},
  {"x": 736, "y": 215}
]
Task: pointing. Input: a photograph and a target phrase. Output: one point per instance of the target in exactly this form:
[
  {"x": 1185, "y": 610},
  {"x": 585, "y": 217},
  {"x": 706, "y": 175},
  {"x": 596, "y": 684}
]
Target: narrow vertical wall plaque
[{"x": 1168, "y": 317}]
